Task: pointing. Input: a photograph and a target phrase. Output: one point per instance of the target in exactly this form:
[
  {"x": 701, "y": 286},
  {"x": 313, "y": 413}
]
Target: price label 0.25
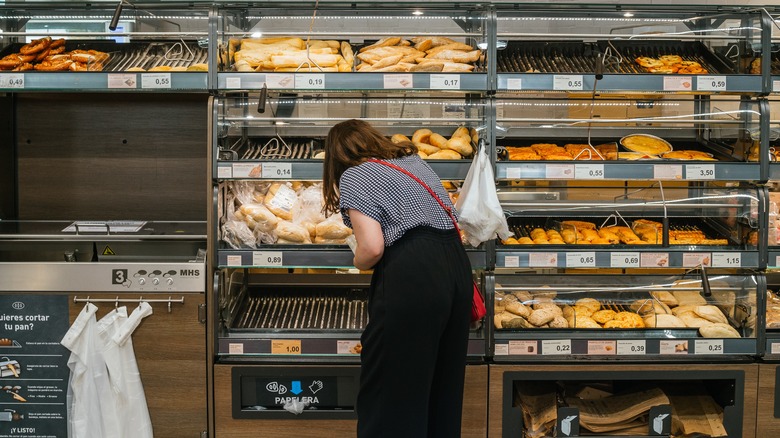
[
  {"x": 567, "y": 82},
  {"x": 445, "y": 82},
  {"x": 711, "y": 83},
  {"x": 699, "y": 171},
  {"x": 156, "y": 80},
  {"x": 12, "y": 80},
  {"x": 624, "y": 260},
  {"x": 267, "y": 258},
  {"x": 276, "y": 170},
  {"x": 708, "y": 346},
  {"x": 557, "y": 346},
  {"x": 286, "y": 346},
  {"x": 315, "y": 81}
]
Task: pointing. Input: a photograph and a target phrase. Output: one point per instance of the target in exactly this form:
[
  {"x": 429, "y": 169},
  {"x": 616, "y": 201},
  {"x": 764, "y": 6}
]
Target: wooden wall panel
[{"x": 766, "y": 423}]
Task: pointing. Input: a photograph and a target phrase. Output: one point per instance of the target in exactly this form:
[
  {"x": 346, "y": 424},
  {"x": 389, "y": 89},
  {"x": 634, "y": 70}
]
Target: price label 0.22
[
  {"x": 156, "y": 80},
  {"x": 567, "y": 82},
  {"x": 557, "y": 346},
  {"x": 581, "y": 260},
  {"x": 711, "y": 83},
  {"x": 267, "y": 258},
  {"x": 445, "y": 82},
  {"x": 699, "y": 171},
  {"x": 276, "y": 170}
]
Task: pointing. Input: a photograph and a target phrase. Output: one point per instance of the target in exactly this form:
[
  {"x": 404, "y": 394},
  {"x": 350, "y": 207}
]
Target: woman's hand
[{"x": 370, "y": 242}]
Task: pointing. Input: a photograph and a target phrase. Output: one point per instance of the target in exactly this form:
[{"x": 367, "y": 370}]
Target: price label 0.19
[
  {"x": 312, "y": 81},
  {"x": 726, "y": 260},
  {"x": 267, "y": 258},
  {"x": 445, "y": 82},
  {"x": 557, "y": 346},
  {"x": 567, "y": 82},
  {"x": 624, "y": 260},
  {"x": 699, "y": 171},
  {"x": 156, "y": 80},
  {"x": 286, "y": 346},
  {"x": 589, "y": 171},
  {"x": 631, "y": 347},
  {"x": 711, "y": 83},
  {"x": 581, "y": 260},
  {"x": 277, "y": 170},
  {"x": 12, "y": 80},
  {"x": 708, "y": 346}
]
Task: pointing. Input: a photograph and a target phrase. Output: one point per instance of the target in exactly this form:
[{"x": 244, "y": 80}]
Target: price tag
[
  {"x": 711, "y": 83},
  {"x": 348, "y": 347},
  {"x": 398, "y": 81},
  {"x": 581, "y": 260},
  {"x": 277, "y": 80},
  {"x": 514, "y": 172},
  {"x": 567, "y": 82},
  {"x": 12, "y": 80},
  {"x": 523, "y": 347},
  {"x": 678, "y": 83},
  {"x": 601, "y": 347},
  {"x": 234, "y": 260},
  {"x": 225, "y": 172},
  {"x": 624, "y": 259},
  {"x": 123, "y": 80},
  {"x": 667, "y": 171},
  {"x": 775, "y": 348},
  {"x": 699, "y": 171},
  {"x": 514, "y": 84},
  {"x": 726, "y": 260},
  {"x": 775, "y": 85},
  {"x": 709, "y": 346},
  {"x": 631, "y": 347},
  {"x": 236, "y": 348},
  {"x": 693, "y": 259},
  {"x": 543, "y": 260},
  {"x": 286, "y": 346},
  {"x": 242, "y": 170},
  {"x": 559, "y": 346},
  {"x": 312, "y": 81},
  {"x": 777, "y": 261},
  {"x": 267, "y": 258},
  {"x": 654, "y": 260},
  {"x": 445, "y": 82},
  {"x": 673, "y": 346},
  {"x": 156, "y": 80},
  {"x": 277, "y": 170},
  {"x": 559, "y": 171},
  {"x": 501, "y": 350},
  {"x": 589, "y": 171},
  {"x": 512, "y": 261},
  {"x": 233, "y": 83}
]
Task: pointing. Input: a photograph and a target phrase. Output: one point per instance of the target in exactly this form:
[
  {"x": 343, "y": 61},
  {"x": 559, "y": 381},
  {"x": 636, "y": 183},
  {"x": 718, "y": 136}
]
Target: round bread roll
[
  {"x": 422, "y": 155},
  {"x": 602, "y": 316},
  {"x": 421, "y": 136},
  {"x": 437, "y": 140},
  {"x": 589, "y": 303},
  {"x": 445, "y": 154},
  {"x": 460, "y": 145},
  {"x": 559, "y": 322},
  {"x": 462, "y": 131},
  {"x": 518, "y": 309},
  {"x": 499, "y": 318},
  {"x": 545, "y": 292},
  {"x": 399, "y": 138},
  {"x": 585, "y": 322},
  {"x": 541, "y": 317},
  {"x": 426, "y": 148},
  {"x": 517, "y": 322},
  {"x": 629, "y": 319}
]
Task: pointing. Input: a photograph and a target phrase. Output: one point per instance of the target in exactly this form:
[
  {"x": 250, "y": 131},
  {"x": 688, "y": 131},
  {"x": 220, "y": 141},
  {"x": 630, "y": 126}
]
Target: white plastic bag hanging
[{"x": 481, "y": 215}]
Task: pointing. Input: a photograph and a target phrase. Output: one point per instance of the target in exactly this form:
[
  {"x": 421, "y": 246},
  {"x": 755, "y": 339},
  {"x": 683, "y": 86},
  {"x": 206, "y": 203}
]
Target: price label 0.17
[
  {"x": 589, "y": 171},
  {"x": 267, "y": 258},
  {"x": 286, "y": 346},
  {"x": 699, "y": 171},
  {"x": 624, "y": 260},
  {"x": 567, "y": 82},
  {"x": 726, "y": 260},
  {"x": 581, "y": 260},
  {"x": 12, "y": 80},
  {"x": 312, "y": 81},
  {"x": 445, "y": 82},
  {"x": 711, "y": 83},
  {"x": 708, "y": 346},
  {"x": 557, "y": 346},
  {"x": 631, "y": 347},
  {"x": 156, "y": 80},
  {"x": 277, "y": 170}
]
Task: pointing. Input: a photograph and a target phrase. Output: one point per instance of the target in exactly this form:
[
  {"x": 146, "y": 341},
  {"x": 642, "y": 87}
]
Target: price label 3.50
[
  {"x": 267, "y": 258},
  {"x": 699, "y": 171}
]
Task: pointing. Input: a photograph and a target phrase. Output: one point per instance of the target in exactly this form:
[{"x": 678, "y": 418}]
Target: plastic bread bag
[
  {"x": 281, "y": 200},
  {"x": 257, "y": 217},
  {"x": 288, "y": 232},
  {"x": 309, "y": 207},
  {"x": 333, "y": 228},
  {"x": 238, "y": 235},
  {"x": 481, "y": 215}
]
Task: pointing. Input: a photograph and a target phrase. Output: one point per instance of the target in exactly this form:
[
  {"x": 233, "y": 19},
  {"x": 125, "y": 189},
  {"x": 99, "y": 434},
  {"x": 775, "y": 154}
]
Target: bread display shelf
[
  {"x": 352, "y": 81},
  {"x": 312, "y": 169},
  {"x": 583, "y": 257}
]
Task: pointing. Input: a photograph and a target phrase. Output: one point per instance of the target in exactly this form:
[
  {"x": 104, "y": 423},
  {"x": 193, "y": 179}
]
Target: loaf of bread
[
  {"x": 280, "y": 199},
  {"x": 291, "y": 232},
  {"x": 332, "y": 229},
  {"x": 719, "y": 330},
  {"x": 663, "y": 321}
]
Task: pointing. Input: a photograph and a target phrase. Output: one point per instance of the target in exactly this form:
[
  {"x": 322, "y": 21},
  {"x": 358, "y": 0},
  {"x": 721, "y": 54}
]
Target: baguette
[{"x": 384, "y": 42}]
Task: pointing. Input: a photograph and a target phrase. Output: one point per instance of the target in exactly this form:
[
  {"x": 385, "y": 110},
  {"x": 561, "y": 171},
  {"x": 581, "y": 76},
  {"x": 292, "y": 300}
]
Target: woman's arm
[{"x": 370, "y": 242}]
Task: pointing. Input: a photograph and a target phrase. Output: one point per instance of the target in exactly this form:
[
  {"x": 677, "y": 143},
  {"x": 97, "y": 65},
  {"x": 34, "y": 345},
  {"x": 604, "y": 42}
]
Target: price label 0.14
[
  {"x": 711, "y": 83},
  {"x": 315, "y": 81},
  {"x": 581, "y": 260},
  {"x": 699, "y": 171},
  {"x": 624, "y": 260},
  {"x": 277, "y": 170},
  {"x": 708, "y": 346},
  {"x": 726, "y": 260},
  {"x": 557, "y": 346},
  {"x": 445, "y": 82},
  {"x": 567, "y": 82},
  {"x": 631, "y": 347},
  {"x": 267, "y": 258},
  {"x": 589, "y": 171},
  {"x": 286, "y": 346},
  {"x": 156, "y": 80},
  {"x": 12, "y": 80}
]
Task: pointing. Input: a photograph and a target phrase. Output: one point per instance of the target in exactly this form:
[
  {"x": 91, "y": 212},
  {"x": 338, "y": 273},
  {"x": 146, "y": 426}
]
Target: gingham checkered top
[{"x": 394, "y": 199}]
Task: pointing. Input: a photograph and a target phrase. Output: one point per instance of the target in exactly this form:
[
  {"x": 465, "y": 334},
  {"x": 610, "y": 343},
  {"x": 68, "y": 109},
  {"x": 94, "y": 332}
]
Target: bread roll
[
  {"x": 445, "y": 154},
  {"x": 426, "y": 148},
  {"x": 384, "y": 42},
  {"x": 663, "y": 321},
  {"x": 719, "y": 330},
  {"x": 602, "y": 316},
  {"x": 588, "y": 303},
  {"x": 500, "y": 318},
  {"x": 324, "y": 241},
  {"x": 585, "y": 322},
  {"x": 710, "y": 313},
  {"x": 347, "y": 53},
  {"x": 461, "y": 145},
  {"x": 665, "y": 297},
  {"x": 421, "y": 136},
  {"x": 428, "y": 67},
  {"x": 332, "y": 229},
  {"x": 559, "y": 322},
  {"x": 399, "y": 138},
  {"x": 518, "y": 309},
  {"x": 692, "y": 320},
  {"x": 689, "y": 298},
  {"x": 523, "y": 296},
  {"x": 438, "y": 140},
  {"x": 292, "y": 232},
  {"x": 462, "y": 131},
  {"x": 541, "y": 317},
  {"x": 517, "y": 322}
]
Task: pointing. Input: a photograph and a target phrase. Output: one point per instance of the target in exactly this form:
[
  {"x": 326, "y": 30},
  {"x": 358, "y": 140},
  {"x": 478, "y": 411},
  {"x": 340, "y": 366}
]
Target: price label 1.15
[
  {"x": 267, "y": 258},
  {"x": 557, "y": 346},
  {"x": 727, "y": 260},
  {"x": 708, "y": 346},
  {"x": 286, "y": 346},
  {"x": 445, "y": 82},
  {"x": 567, "y": 82},
  {"x": 311, "y": 81},
  {"x": 156, "y": 80},
  {"x": 711, "y": 83}
]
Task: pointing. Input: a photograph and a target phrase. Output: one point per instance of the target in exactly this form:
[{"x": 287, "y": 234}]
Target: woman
[{"x": 414, "y": 347}]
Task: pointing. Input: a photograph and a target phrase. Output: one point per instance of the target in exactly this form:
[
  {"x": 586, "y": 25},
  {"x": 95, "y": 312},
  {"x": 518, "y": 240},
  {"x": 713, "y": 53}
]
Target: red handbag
[{"x": 478, "y": 309}]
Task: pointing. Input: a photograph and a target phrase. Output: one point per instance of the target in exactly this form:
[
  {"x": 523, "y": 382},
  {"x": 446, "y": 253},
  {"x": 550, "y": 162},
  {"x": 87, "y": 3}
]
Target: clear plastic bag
[{"x": 481, "y": 215}]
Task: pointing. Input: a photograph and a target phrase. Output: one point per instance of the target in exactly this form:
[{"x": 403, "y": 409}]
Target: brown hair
[{"x": 351, "y": 143}]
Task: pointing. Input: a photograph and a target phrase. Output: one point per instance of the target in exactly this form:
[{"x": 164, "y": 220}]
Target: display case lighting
[
  {"x": 628, "y": 14},
  {"x": 417, "y": 13},
  {"x": 257, "y": 34}
]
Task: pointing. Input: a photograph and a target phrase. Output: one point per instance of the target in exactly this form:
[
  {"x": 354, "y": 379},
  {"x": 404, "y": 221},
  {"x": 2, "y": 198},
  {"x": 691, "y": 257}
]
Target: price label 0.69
[
  {"x": 267, "y": 258},
  {"x": 631, "y": 347},
  {"x": 711, "y": 83},
  {"x": 286, "y": 346},
  {"x": 624, "y": 260},
  {"x": 276, "y": 170},
  {"x": 558, "y": 346},
  {"x": 589, "y": 171},
  {"x": 12, "y": 80},
  {"x": 699, "y": 171},
  {"x": 445, "y": 82},
  {"x": 567, "y": 82},
  {"x": 156, "y": 80},
  {"x": 312, "y": 81},
  {"x": 726, "y": 260},
  {"x": 708, "y": 346},
  {"x": 581, "y": 260}
]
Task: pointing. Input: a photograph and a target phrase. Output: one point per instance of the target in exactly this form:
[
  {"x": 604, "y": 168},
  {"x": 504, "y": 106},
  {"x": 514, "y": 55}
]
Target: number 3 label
[{"x": 118, "y": 276}]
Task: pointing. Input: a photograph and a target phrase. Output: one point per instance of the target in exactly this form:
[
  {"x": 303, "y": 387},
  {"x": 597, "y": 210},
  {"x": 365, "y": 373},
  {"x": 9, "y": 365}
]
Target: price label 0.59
[
  {"x": 699, "y": 171},
  {"x": 267, "y": 258},
  {"x": 624, "y": 260},
  {"x": 711, "y": 83},
  {"x": 557, "y": 346},
  {"x": 567, "y": 82},
  {"x": 581, "y": 260},
  {"x": 631, "y": 347},
  {"x": 286, "y": 346},
  {"x": 589, "y": 171},
  {"x": 156, "y": 80},
  {"x": 708, "y": 346},
  {"x": 445, "y": 82},
  {"x": 315, "y": 81},
  {"x": 276, "y": 170},
  {"x": 12, "y": 80}
]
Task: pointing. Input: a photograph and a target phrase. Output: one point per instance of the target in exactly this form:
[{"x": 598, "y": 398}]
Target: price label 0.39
[
  {"x": 631, "y": 347},
  {"x": 267, "y": 258}
]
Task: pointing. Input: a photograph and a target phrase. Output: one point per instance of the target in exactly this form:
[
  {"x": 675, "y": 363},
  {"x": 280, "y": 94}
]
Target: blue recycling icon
[{"x": 296, "y": 387}]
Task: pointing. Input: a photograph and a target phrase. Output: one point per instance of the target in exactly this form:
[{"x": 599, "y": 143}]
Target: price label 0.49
[
  {"x": 445, "y": 82},
  {"x": 267, "y": 258},
  {"x": 581, "y": 260},
  {"x": 631, "y": 347},
  {"x": 624, "y": 260},
  {"x": 156, "y": 80},
  {"x": 277, "y": 170},
  {"x": 589, "y": 171},
  {"x": 310, "y": 81},
  {"x": 699, "y": 171},
  {"x": 711, "y": 83},
  {"x": 286, "y": 346},
  {"x": 567, "y": 82},
  {"x": 726, "y": 260},
  {"x": 708, "y": 346},
  {"x": 12, "y": 80},
  {"x": 557, "y": 346}
]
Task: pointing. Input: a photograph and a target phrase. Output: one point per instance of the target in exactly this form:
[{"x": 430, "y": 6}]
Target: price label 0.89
[
  {"x": 277, "y": 170},
  {"x": 708, "y": 346},
  {"x": 699, "y": 171},
  {"x": 726, "y": 260},
  {"x": 567, "y": 82},
  {"x": 286, "y": 346},
  {"x": 631, "y": 347},
  {"x": 315, "y": 81},
  {"x": 445, "y": 82},
  {"x": 711, "y": 83},
  {"x": 156, "y": 80},
  {"x": 624, "y": 260},
  {"x": 589, "y": 171},
  {"x": 558, "y": 346},
  {"x": 581, "y": 260},
  {"x": 12, "y": 80},
  {"x": 267, "y": 258}
]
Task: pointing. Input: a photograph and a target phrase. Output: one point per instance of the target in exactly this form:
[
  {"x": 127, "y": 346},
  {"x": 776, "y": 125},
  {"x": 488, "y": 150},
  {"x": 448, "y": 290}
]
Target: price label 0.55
[
  {"x": 581, "y": 260},
  {"x": 624, "y": 260},
  {"x": 631, "y": 347},
  {"x": 567, "y": 82},
  {"x": 589, "y": 171},
  {"x": 708, "y": 346},
  {"x": 557, "y": 346},
  {"x": 726, "y": 260},
  {"x": 312, "y": 81},
  {"x": 286, "y": 346},
  {"x": 267, "y": 258},
  {"x": 156, "y": 80},
  {"x": 699, "y": 171},
  {"x": 445, "y": 82},
  {"x": 711, "y": 83},
  {"x": 12, "y": 80},
  {"x": 277, "y": 170}
]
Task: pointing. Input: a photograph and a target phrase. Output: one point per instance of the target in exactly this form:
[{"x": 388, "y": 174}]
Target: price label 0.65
[
  {"x": 581, "y": 260},
  {"x": 711, "y": 83},
  {"x": 277, "y": 170},
  {"x": 726, "y": 260},
  {"x": 708, "y": 346},
  {"x": 567, "y": 82},
  {"x": 445, "y": 82},
  {"x": 286, "y": 346},
  {"x": 12, "y": 80},
  {"x": 267, "y": 258},
  {"x": 156, "y": 80},
  {"x": 557, "y": 346},
  {"x": 315, "y": 81},
  {"x": 699, "y": 171},
  {"x": 631, "y": 347},
  {"x": 589, "y": 171},
  {"x": 624, "y": 260}
]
